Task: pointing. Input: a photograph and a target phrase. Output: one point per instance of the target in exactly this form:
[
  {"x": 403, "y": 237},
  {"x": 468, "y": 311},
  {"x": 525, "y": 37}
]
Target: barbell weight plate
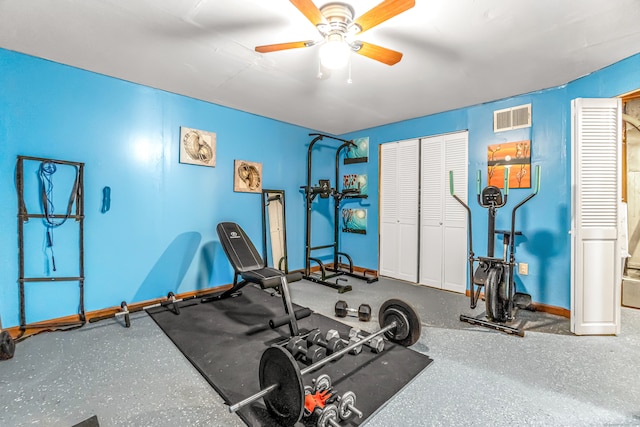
[
  {"x": 408, "y": 325},
  {"x": 401, "y": 331},
  {"x": 286, "y": 402}
]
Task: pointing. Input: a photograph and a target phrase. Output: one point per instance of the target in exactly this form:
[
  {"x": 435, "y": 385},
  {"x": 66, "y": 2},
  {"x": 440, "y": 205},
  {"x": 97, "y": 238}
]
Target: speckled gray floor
[{"x": 137, "y": 377}]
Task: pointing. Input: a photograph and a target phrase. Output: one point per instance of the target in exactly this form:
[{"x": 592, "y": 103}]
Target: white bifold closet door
[
  {"x": 399, "y": 172},
  {"x": 443, "y": 221},
  {"x": 422, "y": 228},
  {"x": 596, "y": 193}
]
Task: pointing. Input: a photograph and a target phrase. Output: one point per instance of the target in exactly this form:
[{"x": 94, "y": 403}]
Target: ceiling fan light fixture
[{"x": 334, "y": 53}]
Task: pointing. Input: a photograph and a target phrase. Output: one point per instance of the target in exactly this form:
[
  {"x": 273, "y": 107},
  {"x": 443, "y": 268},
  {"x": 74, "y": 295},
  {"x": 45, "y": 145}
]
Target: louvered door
[
  {"x": 595, "y": 250},
  {"x": 455, "y": 216},
  {"x": 399, "y": 181},
  {"x": 388, "y": 209},
  {"x": 443, "y": 230},
  {"x": 431, "y": 212}
]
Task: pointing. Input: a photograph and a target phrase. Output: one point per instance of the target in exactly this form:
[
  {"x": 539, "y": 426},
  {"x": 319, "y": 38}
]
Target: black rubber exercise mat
[{"x": 225, "y": 339}]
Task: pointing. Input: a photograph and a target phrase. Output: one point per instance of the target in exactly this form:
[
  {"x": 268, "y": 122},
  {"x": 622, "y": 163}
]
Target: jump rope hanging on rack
[{"x": 46, "y": 171}]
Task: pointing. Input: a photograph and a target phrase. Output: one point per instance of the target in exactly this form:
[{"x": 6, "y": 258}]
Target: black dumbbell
[
  {"x": 363, "y": 312},
  {"x": 298, "y": 346},
  {"x": 332, "y": 342}
]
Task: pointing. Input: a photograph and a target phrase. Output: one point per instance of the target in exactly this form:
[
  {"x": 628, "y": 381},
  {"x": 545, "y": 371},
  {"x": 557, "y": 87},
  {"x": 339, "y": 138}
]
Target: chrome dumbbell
[
  {"x": 323, "y": 382},
  {"x": 329, "y": 417},
  {"x": 347, "y": 406}
]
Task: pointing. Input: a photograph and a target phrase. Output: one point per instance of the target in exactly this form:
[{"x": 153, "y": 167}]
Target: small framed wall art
[
  {"x": 514, "y": 156},
  {"x": 359, "y": 153},
  {"x": 354, "y": 221},
  {"x": 197, "y": 147},
  {"x": 247, "y": 176},
  {"x": 355, "y": 181}
]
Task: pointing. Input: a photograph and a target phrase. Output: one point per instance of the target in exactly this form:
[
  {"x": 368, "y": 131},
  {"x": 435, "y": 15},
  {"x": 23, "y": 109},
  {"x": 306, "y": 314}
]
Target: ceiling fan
[{"x": 336, "y": 24}]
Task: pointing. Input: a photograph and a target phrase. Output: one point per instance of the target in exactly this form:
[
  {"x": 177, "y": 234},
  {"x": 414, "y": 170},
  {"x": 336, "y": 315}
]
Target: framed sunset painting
[{"x": 515, "y": 156}]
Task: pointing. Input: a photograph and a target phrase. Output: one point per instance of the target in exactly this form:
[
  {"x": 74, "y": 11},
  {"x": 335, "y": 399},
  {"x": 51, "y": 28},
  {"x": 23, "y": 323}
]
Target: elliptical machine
[{"x": 495, "y": 274}]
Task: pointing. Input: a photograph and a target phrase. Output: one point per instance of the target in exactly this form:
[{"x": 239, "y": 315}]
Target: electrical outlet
[{"x": 523, "y": 268}]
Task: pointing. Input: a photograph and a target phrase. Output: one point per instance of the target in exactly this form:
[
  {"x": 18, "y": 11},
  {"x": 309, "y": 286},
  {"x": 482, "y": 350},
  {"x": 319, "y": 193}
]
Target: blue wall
[
  {"x": 545, "y": 220},
  {"x": 159, "y": 235}
]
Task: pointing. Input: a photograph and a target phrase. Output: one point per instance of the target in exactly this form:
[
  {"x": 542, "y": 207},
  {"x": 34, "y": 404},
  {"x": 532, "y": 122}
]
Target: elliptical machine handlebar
[{"x": 536, "y": 188}]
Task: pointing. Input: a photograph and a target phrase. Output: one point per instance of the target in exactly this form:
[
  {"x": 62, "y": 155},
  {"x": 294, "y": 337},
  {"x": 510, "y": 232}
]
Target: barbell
[
  {"x": 171, "y": 303},
  {"x": 281, "y": 378}
]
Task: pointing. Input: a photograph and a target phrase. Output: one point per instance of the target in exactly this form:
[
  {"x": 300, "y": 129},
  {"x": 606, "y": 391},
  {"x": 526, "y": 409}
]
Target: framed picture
[
  {"x": 197, "y": 147},
  {"x": 359, "y": 153},
  {"x": 356, "y": 182},
  {"x": 514, "y": 156},
  {"x": 247, "y": 176},
  {"x": 354, "y": 221}
]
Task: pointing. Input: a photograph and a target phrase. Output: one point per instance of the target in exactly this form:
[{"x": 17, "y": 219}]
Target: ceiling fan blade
[
  {"x": 379, "y": 53},
  {"x": 382, "y": 12},
  {"x": 281, "y": 46},
  {"x": 310, "y": 10}
]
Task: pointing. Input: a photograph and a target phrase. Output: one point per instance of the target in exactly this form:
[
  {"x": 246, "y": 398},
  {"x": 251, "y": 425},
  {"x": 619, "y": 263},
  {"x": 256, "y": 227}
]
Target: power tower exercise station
[{"x": 325, "y": 191}]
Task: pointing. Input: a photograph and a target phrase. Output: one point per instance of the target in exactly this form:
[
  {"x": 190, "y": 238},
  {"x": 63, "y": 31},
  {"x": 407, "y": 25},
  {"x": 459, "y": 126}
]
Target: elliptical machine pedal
[{"x": 523, "y": 301}]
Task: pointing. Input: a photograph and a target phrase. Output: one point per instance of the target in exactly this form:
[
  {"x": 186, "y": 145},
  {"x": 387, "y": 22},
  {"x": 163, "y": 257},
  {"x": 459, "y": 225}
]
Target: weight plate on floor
[
  {"x": 407, "y": 321},
  {"x": 286, "y": 402}
]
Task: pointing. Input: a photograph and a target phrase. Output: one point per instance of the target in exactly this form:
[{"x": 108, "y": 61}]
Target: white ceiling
[{"x": 456, "y": 52}]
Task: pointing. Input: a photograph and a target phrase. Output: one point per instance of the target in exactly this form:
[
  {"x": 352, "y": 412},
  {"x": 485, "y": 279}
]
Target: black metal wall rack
[{"x": 24, "y": 216}]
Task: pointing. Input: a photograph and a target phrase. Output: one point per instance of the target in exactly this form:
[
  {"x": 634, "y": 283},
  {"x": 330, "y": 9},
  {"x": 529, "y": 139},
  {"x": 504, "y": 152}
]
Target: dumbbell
[
  {"x": 329, "y": 417},
  {"x": 363, "y": 312},
  {"x": 376, "y": 344},
  {"x": 322, "y": 383},
  {"x": 332, "y": 342},
  {"x": 281, "y": 385},
  {"x": 347, "y": 406},
  {"x": 317, "y": 396},
  {"x": 298, "y": 346}
]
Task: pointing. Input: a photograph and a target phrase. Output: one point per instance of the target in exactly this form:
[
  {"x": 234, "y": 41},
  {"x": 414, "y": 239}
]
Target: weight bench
[{"x": 251, "y": 268}]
